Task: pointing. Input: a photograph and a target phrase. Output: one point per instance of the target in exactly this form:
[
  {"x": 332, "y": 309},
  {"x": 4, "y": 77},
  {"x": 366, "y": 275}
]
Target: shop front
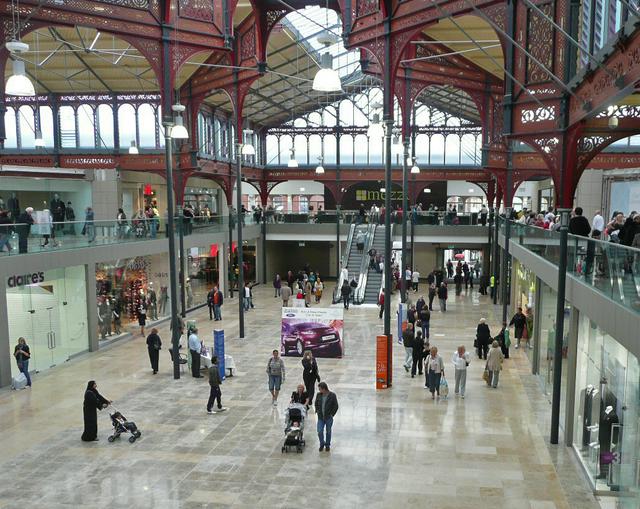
[
  {"x": 524, "y": 296},
  {"x": 248, "y": 263},
  {"x": 124, "y": 286},
  {"x": 202, "y": 274},
  {"x": 606, "y": 414},
  {"x": 546, "y": 337},
  {"x": 49, "y": 310}
]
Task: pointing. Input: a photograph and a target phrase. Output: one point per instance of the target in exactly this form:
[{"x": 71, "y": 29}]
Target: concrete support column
[
  {"x": 106, "y": 194},
  {"x": 6, "y": 353},
  {"x": 92, "y": 313}
]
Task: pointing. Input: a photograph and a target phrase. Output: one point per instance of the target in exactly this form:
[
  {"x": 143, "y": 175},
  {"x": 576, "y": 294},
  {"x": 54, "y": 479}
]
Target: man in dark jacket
[
  {"x": 210, "y": 302},
  {"x": 578, "y": 224},
  {"x": 407, "y": 342},
  {"x": 326, "y": 408},
  {"x": 425, "y": 318},
  {"x": 345, "y": 291},
  {"x": 214, "y": 382},
  {"x": 519, "y": 322},
  {"x": 483, "y": 339},
  {"x": 23, "y": 228}
]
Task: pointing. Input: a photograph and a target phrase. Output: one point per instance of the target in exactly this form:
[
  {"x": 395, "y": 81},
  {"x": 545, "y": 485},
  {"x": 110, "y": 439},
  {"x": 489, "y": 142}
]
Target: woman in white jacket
[{"x": 434, "y": 371}]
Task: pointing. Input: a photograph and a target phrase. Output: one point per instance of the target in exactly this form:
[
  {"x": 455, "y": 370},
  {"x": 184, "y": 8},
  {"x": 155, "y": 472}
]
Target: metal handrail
[
  {"x": 345, "y": 259},
  {"x": 364, "y": 264}
]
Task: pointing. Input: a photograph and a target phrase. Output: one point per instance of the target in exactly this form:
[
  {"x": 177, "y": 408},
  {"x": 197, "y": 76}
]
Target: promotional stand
[
  {"x": 384, "y": 364},
  {"x": 218, "y": 350}
]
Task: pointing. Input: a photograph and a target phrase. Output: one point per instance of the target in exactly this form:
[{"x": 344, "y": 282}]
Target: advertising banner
[
  {"x": 402, "y": 320},
  {"x": 218, "y": 350},
  {"x": 317, "y": 329},
  {"x": 381, "y": 363}
]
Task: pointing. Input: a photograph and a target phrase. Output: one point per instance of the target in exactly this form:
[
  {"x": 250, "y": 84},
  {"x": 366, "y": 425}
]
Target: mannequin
[
  {"x": 189, "y": 292},
  {"x": 590, "y": 394},
  {"x": 608, "y": 439},
  {"x": 153, "y": 302},
  {"x": 162, "y": 301},
  {"x": 57, "y": 208},
  {"x": 13, "y": 204}
]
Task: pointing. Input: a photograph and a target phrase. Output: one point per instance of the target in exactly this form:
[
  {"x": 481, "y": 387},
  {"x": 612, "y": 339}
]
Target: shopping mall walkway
[{"x": 396, "y": 448}]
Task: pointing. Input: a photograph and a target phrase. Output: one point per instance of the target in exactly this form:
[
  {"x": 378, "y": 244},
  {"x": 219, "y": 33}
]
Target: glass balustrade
[{"x": 610, "y": 268}]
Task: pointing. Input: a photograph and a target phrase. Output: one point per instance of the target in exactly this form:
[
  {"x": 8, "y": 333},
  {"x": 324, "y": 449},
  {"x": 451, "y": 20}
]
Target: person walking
[
  {"x": 318, "y": 286},
  {"x": 195, "y": 347},
  {"x": 308, "y": 291},
  {"x": 89, "y": 228},
  {"x": 215, "y": 394},
  {"x": 460, "y": 362},
  {"x": 417, "y": 352},
  {"x": 381, "y": 304},
  {"x": 285, "y": 294},
  {"x": 483, "y": 339},
  {"x": 93, "y": 401},
  {"x": 407, "y": 341},
  {"x": 6, "y": 228},
  {"x": 415, "y": 280},
  {"x": 442, "y": 296},
  {"x": 309, "y": 374},
  {"x": 210, "y": 302},
  {"x": 504, "y": 340},
  {"x": 246, "y": 296},
  {"x": 218, "y": 300},
  {"x": 22, "y": 354},
  {"x": 326, "y": 408},
  {"x": 345, "y": 291},
  {"x": 277, "y": 285},
  {"x": 425, "y": 319},
  {"x": 23, "y": 228},
  {"x": 494, "y": 364},
  {"x": 519, "y": 322},
  {"x": 434, "y": 370},
  {"x": 276, "y": 372},
  {"x": 153, "y": 345},
  {"x": 432, "y": 294}
]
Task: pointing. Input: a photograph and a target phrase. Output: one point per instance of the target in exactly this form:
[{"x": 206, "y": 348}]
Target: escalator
[
  {"x": 352, "y": 258},
  {"x": 373, "y": 281}
]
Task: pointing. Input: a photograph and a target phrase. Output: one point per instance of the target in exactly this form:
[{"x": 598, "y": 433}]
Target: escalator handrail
[
  {"x": 343, "y": 263},
  {"x": 364, "y": 265}
]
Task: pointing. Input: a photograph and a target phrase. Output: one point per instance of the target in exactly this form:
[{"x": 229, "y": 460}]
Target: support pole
[
  {"x": 239, "y": 224},
  {"x": 264, "y": 248},
  {"x": 338, "y": 245},
  {"x": 230, "y": 264},
  {"x": 494, "y": 258},
  {"x": 405, "y": 213},
  {"x": 559, "y": 336},
  {"x": 183, "y": 276},
  {"x": 173, "y": 284},
  {"x": 504, "y": 266}
]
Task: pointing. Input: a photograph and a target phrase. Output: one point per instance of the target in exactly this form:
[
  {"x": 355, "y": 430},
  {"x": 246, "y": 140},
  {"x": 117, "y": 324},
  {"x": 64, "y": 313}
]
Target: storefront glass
[
  {"x": 524, "y": 295},
  {"x": 607, "y": 424},
  {"x": 50, "y": 313},
  {"x": 248, "y": 262},
  {"x": 202, "y": 271},
  {"x": 548, "y": 299},
  {"x": 123, "y": 285}
]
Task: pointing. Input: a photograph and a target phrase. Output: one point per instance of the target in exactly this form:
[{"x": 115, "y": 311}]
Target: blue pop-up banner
[
  {"x": 402, "y": 320},
  {"x": 218, "y": 350}
]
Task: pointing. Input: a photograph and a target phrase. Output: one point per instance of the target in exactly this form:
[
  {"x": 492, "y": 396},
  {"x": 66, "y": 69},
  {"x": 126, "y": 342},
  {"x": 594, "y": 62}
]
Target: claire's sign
[{"x": 25, "y": 279}]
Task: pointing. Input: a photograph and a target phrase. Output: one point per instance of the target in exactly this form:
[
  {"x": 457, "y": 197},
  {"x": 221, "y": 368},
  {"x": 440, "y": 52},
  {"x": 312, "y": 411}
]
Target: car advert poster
[{"x": 319, "y": 330}]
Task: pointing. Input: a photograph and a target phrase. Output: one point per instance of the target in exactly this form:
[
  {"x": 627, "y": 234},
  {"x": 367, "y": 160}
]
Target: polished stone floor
[{"x": 391, "y": 449}]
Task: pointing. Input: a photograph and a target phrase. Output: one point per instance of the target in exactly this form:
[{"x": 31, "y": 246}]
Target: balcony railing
[{"x": 610, "y": 268}]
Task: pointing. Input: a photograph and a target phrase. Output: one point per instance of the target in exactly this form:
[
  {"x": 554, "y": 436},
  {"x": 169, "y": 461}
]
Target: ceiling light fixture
[
  {"x": 179, "y": 131},
  {"x": 39, "y": 140},
  {"x": 327, "y": 78},
  {"x": 415, "y": 168},
  {"x": 320, "y": 168},
  {"x": 248, "y": 148},
  {"x": 18, "y": 83},
  {"x": 375, "y": 130},
  {"x": 613, "y": 122},
  {"x": 133, "y": 149},
  {"x": 292, "y": 163}
]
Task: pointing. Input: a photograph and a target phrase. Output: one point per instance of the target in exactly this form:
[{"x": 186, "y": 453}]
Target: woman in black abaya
[{"x": 93, "y": 402}]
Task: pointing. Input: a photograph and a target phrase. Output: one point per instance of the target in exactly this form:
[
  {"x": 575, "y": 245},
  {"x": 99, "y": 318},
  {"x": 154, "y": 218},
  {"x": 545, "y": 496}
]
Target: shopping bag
[
  {"x": 444, "y": 387},
  {"x": 485, "y": 375},
  {"x": 19, "y": 381}
]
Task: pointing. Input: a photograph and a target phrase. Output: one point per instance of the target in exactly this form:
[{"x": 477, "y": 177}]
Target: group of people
[{"x": 304, "y": 287}]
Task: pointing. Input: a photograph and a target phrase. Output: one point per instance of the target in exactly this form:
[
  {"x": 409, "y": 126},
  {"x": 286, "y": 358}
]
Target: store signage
[
  {"x": 25, "y": 279},
  {"x": 367, "y": 195}
]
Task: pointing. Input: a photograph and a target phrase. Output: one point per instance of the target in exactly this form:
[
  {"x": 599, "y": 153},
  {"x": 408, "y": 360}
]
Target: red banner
[{"x": 382, "y": 363}]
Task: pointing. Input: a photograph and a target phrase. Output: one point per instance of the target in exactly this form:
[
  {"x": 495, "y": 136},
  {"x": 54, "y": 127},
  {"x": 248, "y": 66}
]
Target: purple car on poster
[{"x": 317, "y": 337}]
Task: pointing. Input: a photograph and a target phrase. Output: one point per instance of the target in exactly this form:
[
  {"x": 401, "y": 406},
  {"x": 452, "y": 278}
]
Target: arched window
[
  {"x": 27, "y": 127},
  {"x": 67, "y": 126},
  {"x": 146, "y": 126},
  {"x": 346, "y": 149},
  {"x": 329, "y": 142},
  {"x": 105, "y": 126},
  {"x": 86, "y": 136},
  {"x": 315, "y": 148},
  {"x": 301, "y": 149},
  {"x": 10, "y": 128},
  {"x": 468, "y": 149},
  {"x": 273, "y": 154},
  {"x": 437, "y": 149},
  {"x": 361, "y": 149},
  {"x": 126, "y": 125},
  {"x": 472, "y": 204},
  {"x": 457, "y": 202},
  {"x": 46, "y": 125},
  {"x": 452, "y": 153}
]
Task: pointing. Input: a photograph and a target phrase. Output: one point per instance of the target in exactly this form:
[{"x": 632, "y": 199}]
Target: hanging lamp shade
[
  {"x": 327, "y": 78},
  {"x": 133, "y": 149},
  {"x": 415, "y": 168},
  {"x": 375, "y": 130},
  {"x": 18, "y": 83},
  {"x": 292, "y": 163},
  {"x": 248, "y": 150},
  {"x": 39, "y": 141},
  {"x": 320, "y": 168},
  {"x": 179, "y": 131}
]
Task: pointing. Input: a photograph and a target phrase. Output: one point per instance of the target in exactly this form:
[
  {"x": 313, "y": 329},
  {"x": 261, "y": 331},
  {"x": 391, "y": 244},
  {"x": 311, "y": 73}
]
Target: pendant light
[
  {"x": 415, "y": 168},
  {"x": 327, "y": 78},
  {"x": 292, "y": 163},
  {"x": 375, "y": 130},
  {"x": 320, "y": 168},
  {"x": 133, "y": 149},
  {"x": 247, "y": 148},
  {"x": 179, "y": 131},
  {"x": 39, "y": 140},
  {"x": 18, "y": 83}
]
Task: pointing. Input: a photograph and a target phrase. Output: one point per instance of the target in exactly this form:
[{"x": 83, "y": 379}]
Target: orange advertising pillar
[{"x": 383, "y": 362}]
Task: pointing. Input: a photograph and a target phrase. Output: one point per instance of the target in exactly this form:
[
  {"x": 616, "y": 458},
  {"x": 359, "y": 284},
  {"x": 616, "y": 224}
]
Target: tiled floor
[{"x": 395, "y": 448}]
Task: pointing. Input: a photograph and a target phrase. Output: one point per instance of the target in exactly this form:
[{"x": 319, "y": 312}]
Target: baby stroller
[
  {"x": 121, "y": 425},
  {"x": 295, "y": 416}
]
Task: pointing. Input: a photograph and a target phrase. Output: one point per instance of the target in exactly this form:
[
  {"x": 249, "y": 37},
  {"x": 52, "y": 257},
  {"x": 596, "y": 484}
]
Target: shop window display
[
  {"x": 202, "y": 274},
  {"x": 607, "y": 424},
  {"x": 124, "y": 288},
  {"x": 524, "y": 294}
]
